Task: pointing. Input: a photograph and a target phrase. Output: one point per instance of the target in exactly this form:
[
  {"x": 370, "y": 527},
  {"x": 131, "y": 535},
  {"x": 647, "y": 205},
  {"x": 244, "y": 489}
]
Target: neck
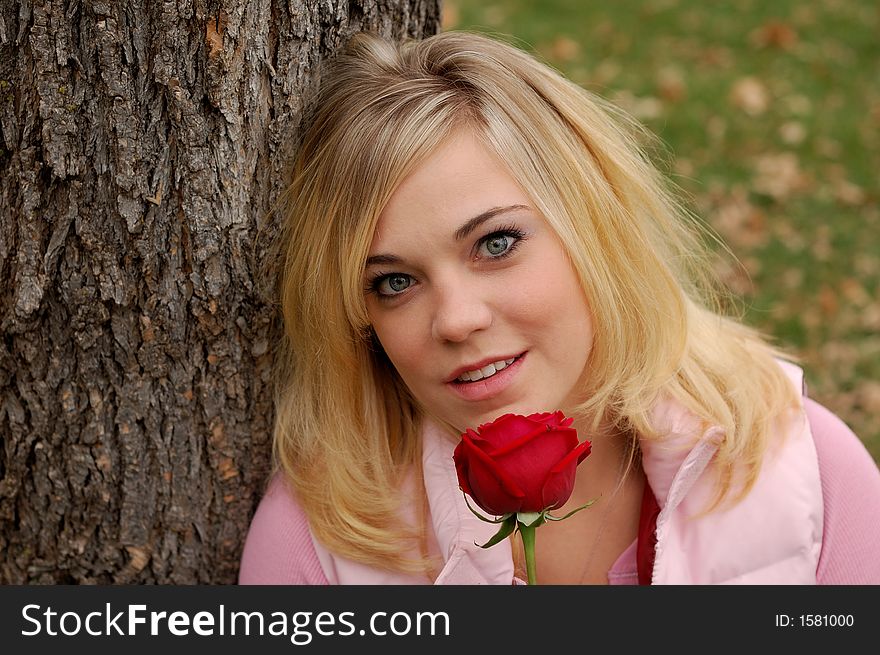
[
  {"x": 582, "y": 549},
  {"x": 602, "y": 473}
]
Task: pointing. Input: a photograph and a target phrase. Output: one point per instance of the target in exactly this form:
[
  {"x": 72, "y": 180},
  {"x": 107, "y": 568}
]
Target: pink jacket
[{"x": 773, "y": 536}]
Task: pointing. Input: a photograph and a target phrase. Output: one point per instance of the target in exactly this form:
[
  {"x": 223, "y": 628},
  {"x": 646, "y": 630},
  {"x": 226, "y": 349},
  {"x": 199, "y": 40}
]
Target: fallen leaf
[
  {"x": 868, "y": 396},
  {"x": 793, "y": 278},
  {"x": 716, "y": 128},
  {"x": 565, "y": 48},
  {"x": 739, "y": 221},
  {"x": 750, "y": 95},
  {"x": 793, "y": 132},
  {"x": 866, "y": 266},
  {"x": 853, "y": 290},
  {"x": 828, "y": 302},
  {"x": 774, "y": 34},
  {"x": 792, "y": 239},
  {"x": 605, "y": 72},
  {"x": 848, "y": 193},
  {"x": 840, "y": 355},
  {"x": 717, "y": 56},
  {"x": 779, "y": 176},
  {"x": 811, "y": 317},
  {"x": 828, "y": 148},
  {"x": 671, "y": 84},
  {"x": 875, "y": 111},
  {"x": 646, "y": 108},
  {"x": 870, "y": 317},
  {"x": 734, "y": 276},
  {"x": 684, "y": 167}
]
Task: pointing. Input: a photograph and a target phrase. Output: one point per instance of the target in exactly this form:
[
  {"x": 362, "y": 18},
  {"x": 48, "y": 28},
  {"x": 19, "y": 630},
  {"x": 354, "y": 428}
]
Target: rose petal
[
  {"x": 556, "y": 418},
  {"x": 477, "y": 439},
  {"x": 490, "y": 486},
  {"x": 579, "y": 454},
  {"x": 497, "y": 421},
  {"x": 530, "y": 464},
  {"x": 505, "y": 429},
  {"x": 585, "y": 449},
  {"x": 512, "y": 463},
  {"x": 544, "y": 417},
  {"x": 461, "y": 467},
  {"x": 519, "y": 442},
  {"x": 557, "y": 488},
  {"x": 559, "y": 483}
]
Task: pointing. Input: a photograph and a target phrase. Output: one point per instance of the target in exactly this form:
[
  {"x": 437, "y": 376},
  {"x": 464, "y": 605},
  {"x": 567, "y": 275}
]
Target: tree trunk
[{"x": 141, "y": 147}]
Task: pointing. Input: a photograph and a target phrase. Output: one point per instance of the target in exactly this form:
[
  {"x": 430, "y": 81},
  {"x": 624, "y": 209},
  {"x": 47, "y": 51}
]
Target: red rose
[{"x": 520, "y": 463}]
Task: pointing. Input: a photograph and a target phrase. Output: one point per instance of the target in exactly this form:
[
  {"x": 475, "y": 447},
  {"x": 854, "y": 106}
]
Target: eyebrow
[{"x": 461, "y": 233}]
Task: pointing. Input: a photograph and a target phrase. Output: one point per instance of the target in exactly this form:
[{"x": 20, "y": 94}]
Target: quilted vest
[{"x": 772, "y": 536}]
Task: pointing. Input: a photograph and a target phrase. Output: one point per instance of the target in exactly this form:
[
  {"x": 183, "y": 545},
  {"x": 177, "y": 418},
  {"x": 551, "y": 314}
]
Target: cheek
[
  {"x": 552, "y": 294},
  {"x": 400, "y": 343},
  {"x": 552, "y": 307}
]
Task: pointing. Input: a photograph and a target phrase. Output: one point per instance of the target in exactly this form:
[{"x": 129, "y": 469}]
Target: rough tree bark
[{"x": 142, "y": 145}]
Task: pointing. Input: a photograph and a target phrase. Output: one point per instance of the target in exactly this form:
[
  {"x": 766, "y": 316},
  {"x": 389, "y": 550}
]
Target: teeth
[{"x": 486, "y": 371}]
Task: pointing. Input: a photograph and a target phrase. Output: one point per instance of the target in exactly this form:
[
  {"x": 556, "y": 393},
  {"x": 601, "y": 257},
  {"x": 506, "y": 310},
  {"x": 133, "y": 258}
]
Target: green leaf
[
  {"x": 506, "y": 528},
  {"x": 503, "y": 517},
  {"x": 550, "y": 517}
]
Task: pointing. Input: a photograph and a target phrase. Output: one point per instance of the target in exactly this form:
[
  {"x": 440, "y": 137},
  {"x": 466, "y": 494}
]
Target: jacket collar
[
  {"x": 457, "y": 530},
  {"x": 673, "y": 464}
]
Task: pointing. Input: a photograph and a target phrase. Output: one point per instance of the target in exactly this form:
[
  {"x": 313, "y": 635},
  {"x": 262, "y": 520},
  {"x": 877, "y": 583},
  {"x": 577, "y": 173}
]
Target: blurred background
[{"x": 770, "y": 114}]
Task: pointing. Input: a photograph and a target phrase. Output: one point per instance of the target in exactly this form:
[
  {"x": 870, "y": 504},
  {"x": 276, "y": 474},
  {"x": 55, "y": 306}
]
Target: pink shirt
[{"x": 279, "y": 548}]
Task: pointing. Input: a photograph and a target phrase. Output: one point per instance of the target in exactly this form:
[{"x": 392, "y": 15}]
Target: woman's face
[{"x": 471, "y": 294}]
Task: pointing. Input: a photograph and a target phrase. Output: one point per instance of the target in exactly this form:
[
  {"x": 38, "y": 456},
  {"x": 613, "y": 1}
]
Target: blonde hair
[{"x": 346, "y": 430}]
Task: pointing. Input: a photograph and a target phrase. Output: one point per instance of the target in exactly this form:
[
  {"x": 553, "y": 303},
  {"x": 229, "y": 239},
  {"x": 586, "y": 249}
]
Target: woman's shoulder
[
  {"x": 851, "y": 497},
  {"x": 841, "y": 453},
  {"x": 279, "y": 547}
]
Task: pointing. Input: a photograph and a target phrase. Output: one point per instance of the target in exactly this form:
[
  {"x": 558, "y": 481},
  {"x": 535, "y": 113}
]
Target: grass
[{"x": 771, "y": 114}]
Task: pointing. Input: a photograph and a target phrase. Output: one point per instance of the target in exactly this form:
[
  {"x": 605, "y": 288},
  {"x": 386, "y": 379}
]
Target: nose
[{"x": 461, "y": 309}]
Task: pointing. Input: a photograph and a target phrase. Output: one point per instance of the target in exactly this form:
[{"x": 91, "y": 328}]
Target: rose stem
[{"x": 528, "y": 539}]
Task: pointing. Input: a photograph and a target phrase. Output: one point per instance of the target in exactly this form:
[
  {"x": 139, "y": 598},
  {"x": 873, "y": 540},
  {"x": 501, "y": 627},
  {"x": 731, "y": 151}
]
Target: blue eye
[
  {"x": 501, "y": 243},
  {"x": 491, "y": 248},
  {"x": 391, "y": 285},
  {"x": 497, "y": 244}
]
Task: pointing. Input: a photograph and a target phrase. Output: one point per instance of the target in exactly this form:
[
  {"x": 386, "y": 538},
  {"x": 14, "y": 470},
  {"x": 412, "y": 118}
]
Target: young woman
[{"x": 467, "y": 235}]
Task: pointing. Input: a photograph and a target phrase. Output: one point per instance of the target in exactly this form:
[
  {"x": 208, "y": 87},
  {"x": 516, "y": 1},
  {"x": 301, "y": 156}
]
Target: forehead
[{"x": 459, "y": 180}]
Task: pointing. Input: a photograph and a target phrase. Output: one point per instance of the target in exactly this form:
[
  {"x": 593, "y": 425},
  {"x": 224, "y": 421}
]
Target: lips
[
  {"x": 490, "y": 387},
  {"x": 482, "y": 369}
]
